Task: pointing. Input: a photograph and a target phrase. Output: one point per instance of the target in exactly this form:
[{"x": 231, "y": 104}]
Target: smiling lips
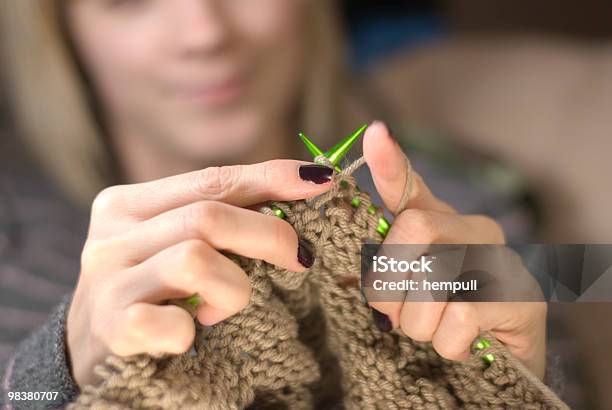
[{"x": 214, "y": 94}]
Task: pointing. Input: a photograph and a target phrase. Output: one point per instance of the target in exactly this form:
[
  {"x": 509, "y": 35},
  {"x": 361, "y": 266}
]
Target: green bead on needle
[
  {"x": 335, "y": 155},
  {"x": 488, "y": 358},
  {"x": 482, "y": 344},
  {"x": 278, "y": 212},
  {"x": 194, "y": 300}
]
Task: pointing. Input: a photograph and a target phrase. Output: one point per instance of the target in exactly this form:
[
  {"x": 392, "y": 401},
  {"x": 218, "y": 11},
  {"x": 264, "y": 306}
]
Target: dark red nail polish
[
  {"x": 382, "y": 321},
  {"x": 319, "y": 174},
  {"x": 305, "y": 253}
]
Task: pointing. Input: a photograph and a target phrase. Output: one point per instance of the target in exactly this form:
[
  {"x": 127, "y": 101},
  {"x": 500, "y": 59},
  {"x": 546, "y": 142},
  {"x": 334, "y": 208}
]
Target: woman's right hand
[{"x": 160, "y": 240}]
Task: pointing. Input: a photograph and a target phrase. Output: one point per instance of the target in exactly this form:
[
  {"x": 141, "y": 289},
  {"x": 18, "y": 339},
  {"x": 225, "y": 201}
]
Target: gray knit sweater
[{"x": 40, "y": 364}]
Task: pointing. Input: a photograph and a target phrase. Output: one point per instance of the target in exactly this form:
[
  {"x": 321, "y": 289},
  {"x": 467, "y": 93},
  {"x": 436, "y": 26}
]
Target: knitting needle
[{"x": 335, "y": 155}]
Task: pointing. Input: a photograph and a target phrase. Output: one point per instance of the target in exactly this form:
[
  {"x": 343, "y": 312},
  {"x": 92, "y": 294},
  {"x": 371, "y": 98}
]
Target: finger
[
  {"x": 209, "y": 315},
  {"x": 416, "y": 226},
  {"x": 390, "y": 301},
  {"x": 387, "y": 163},
  {"x": 521, "y": 326},
  {"x": 182, "y": 270},
  {"x": 421, "y": 228},
  {"x": 240, "y": 185},
  {"x": 146, "y": 328},
  {"x": 456, "y": 331},
  {"x": 419, "y": 320},
  {"x": 225, "y": 227}
]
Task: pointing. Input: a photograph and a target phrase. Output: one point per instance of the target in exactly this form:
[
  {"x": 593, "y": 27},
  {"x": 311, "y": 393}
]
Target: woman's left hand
[{"x": 450, "y": 326}]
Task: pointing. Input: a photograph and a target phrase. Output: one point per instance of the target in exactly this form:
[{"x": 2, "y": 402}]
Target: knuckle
[
  {"x": 102, "y": 254},
  {"x": 461, "y": 313},
  {"x": 192, "y": 277},
  {"x": 417, "y": 332},
  {"x": 182, "y": 341},
  {"x": 183, "y": 333},
  {"x": 106, "y": 200},
  {"x": 119, "y": 345},
  {"x": 136, "y": 319},
  {"x": 244, "y": 298},
  {"x": 420, "y": 224},
  {"x": 200, "y": 215},
  {"x": 190, "y": 249},
  {"x": 229, "y": 174},
  {"x": 238, "y": 294},
  {"x": 267, "y": 171},
  {"x": 203, "y": 214},
  {"x": 192, "y": 263},
  {"x": 280, "y": 236},
  {"x": 94, "y": 253},
  {"x": 208, "y": 181},
  {"x": 450, "y": 351},
  {"x": 215, "y": 181},
  {"x": 494, "y": 229},
  {"x": 193, "y": 251}
]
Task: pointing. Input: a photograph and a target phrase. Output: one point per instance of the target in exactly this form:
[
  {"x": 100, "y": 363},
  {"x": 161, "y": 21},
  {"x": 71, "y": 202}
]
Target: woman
[{"x": 176, "y": 111}]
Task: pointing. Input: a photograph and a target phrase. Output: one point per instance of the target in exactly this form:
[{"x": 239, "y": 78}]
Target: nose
[{"x": 202, "y": 27}]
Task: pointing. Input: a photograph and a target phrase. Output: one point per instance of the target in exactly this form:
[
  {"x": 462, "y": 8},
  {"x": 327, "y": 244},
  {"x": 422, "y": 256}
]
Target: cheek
[
  {"x": 267, "y": 19},
  {"x": 117, "y": 57},
  {"x": 273, "y": 33},
  {"x": 270, "y": 29}
]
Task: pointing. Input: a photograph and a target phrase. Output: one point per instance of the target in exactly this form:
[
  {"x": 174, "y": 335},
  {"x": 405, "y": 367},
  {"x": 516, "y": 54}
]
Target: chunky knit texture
[{"x": 307, "y": 340}]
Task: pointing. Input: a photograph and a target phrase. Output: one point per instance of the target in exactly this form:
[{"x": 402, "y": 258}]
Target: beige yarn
[{"x": 307, "y": 341}]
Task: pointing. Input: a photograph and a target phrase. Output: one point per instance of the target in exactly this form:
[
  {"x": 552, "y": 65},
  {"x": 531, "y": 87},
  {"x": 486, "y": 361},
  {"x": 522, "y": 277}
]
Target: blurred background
[{"x": 528, "y": 83}]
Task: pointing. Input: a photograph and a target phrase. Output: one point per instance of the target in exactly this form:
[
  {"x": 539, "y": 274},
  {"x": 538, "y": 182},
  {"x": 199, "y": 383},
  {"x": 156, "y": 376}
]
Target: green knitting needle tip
[
  {"x": 314, "y": 150},
  {"x": 338, "y": 151},
  {"x": 335, "y": 155}
]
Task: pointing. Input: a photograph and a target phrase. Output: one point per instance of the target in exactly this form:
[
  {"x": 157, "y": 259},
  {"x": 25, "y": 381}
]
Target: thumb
[{"x": 390, "y": 171}]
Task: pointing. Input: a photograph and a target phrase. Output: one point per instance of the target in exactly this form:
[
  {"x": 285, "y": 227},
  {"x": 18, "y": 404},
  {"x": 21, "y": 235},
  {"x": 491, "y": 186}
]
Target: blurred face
[{"x": 204, "y": 78}]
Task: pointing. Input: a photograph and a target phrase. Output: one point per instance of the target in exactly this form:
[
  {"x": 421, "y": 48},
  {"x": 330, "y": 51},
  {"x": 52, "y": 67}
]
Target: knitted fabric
[{"x": 307, "y": 341}]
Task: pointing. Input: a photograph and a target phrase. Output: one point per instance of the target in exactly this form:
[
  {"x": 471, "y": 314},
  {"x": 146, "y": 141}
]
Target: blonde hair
[{"x": 51, "y": 104}]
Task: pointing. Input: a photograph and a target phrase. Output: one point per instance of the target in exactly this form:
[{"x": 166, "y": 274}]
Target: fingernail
[
  {"x": 319, "y": 174},
  {"x": 305, "y": 253},
  {"x": 391, "y": 133},
  {"x": 382, "y": 321},
  {"x": 387, "y": 128}
]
